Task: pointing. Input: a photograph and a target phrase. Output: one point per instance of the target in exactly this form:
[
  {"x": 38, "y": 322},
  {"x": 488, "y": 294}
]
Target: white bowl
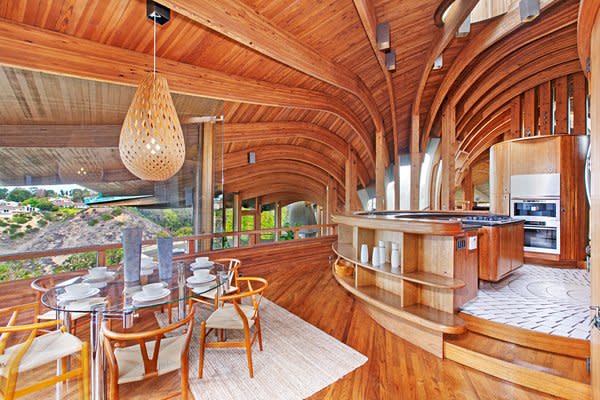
[
  {"x": 97, "y": 272},
  {"x": 202, "y": 260},
  {"x": 77, "y": 289},
  {"x": 152, "y": 289},
  {"x": 201, "y": 273}
]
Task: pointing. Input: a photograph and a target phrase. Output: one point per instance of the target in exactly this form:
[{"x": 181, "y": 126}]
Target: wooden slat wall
[
  {"x": 529, "y": 113},
  {"x": 561, "y": 97}
]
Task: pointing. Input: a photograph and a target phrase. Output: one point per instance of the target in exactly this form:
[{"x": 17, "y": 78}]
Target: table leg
[
  {"x": 63, "y": 316},
  {"x": 97, "y": 357}
]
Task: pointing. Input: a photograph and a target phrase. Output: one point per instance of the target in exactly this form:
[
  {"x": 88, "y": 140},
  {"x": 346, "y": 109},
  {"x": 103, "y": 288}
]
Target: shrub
[
  {"x": 120, "y": 223},
  {"x": 114, "y": 256},
  {"x": 17, "y": 235},
  {"x": 117, "y": 211},
  {"x": 20, "y": 219},
  {"x": 184, "y": 231},
  {"x": 76, "y": 262},
  {"x": 92, "y": 222},
  {"x": 12, "y": 229},
  {"x": 42, "y": 222},
  {"x": 106, "y": 217},
  {"x": 13, "y": 270},
  {"x": 3, "y": 223}
]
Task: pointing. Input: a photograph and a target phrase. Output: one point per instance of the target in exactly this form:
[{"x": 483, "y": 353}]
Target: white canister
[
  {"x": 395, "y": 246},
  {"x": 375, "y": 259},
  {"x": 364, "y": 253},
  {"x": 395, "y": 259},
  {"x": 382, "y": 255}
]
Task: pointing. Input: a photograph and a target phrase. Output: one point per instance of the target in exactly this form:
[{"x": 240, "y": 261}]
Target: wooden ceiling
[{"x": 300, "y": 80}]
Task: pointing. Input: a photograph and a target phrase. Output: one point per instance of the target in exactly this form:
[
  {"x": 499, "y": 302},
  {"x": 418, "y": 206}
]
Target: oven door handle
[{"x": 546, "y": 228}]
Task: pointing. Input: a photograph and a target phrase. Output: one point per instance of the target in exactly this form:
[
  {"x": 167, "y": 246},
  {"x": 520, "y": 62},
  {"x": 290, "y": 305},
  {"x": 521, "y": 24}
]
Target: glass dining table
[{"x": 110, "y": 297}]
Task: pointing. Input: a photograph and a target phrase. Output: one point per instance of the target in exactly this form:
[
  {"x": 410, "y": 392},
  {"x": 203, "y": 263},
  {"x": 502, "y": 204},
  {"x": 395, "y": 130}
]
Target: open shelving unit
[{"x": 418, "y": 300}]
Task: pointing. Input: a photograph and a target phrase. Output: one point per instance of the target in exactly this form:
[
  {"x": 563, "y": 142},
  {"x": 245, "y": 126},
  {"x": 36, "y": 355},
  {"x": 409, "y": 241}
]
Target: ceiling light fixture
[
  {"x": 529, "y": 10},
  {"x": 151, "y": 143}
]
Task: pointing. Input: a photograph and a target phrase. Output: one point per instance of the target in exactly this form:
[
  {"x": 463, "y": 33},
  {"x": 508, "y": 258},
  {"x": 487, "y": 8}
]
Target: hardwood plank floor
[{"x": 395, "y": 369}]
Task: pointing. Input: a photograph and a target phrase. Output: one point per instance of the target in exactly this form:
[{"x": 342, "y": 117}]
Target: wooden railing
[{"x": 204, "y": 241}]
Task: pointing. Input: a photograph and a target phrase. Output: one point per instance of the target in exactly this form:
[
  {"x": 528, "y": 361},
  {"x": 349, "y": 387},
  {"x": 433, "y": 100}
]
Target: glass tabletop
[{"x": 119, "y": 297}]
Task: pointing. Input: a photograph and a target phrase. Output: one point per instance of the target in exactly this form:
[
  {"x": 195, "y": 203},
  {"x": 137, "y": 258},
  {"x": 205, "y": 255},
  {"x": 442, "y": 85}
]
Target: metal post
[
  {"x": 181, "y": 284},
  {"x": 198, "y": 188},
  {"x": 96, "y": 348}
]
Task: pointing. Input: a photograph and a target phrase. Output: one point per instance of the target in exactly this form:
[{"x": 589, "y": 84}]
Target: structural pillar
[
  {"x": 380, "y": 171},
  {"x": 351, "y": 181},
  {"x": 468, "y": 190},
  {"x": 415, "y": 163},
  {"x": 206, "y": 218},
  {"x": 448, "y": 153},
  {"x": 277, "y": 218},
  {"x": 331, "y": 199},
  {"x": 236, "y": 223}
]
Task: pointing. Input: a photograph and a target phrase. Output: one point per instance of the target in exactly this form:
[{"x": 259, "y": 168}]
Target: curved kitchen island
[{"x": 437, "y": 273}]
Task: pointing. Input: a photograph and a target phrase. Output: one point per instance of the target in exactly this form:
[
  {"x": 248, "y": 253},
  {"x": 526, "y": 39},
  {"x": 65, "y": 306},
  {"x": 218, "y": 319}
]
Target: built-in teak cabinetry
[
  {"x": 417, "y": 301},
  {"x": 557, "y": 154}
]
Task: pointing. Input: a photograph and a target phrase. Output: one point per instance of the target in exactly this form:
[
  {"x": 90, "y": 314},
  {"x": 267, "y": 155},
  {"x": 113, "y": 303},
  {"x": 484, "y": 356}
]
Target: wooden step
[
  {"x": 419, "y": 314},
  {"x": 577, "y": 348},
  {"x": 555, "y": 374}
]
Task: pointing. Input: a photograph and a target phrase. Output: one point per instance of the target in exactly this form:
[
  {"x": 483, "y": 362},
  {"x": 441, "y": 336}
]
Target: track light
[
  {"x": 438, "y": 63},
  {"x": 465, "y": 28},
  {"x": 529, "y": 10},
  {"x": 390, "y": 60},
  {"x": 383, "y": 36}
]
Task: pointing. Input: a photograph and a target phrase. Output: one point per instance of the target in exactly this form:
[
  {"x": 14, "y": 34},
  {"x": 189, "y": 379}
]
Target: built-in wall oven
[
  {"x": 536, "y": 200},
  {"x": 542, "y": 223}
]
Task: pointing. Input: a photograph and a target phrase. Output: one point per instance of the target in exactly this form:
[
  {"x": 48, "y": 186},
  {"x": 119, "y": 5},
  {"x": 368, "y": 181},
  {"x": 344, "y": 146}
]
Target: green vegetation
[
  {"x": 92, "y": 222},
  {"x": 106, "y": 217},
  {"x": 20, "y": 219},
  {"x": 76, "y": 262},
  {"x": 114, "y": 256},
  {"x": 42, "y": 203},
  {"x": 184, "y": 231},
  {"x": 19, "y": 195},
  {"x": 3, "y": 193},
  {"x": 42, "y": 222},
  {"x": 13, "y": 270},
  {"x": 117, "y": 211}
]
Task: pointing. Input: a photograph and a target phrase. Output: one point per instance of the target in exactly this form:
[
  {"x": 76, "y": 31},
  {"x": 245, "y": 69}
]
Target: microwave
[{"x": 540, "y": 210}]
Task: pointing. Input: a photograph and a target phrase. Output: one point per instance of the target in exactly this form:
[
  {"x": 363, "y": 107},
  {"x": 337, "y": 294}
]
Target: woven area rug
[{"x": 298, "y": 360}]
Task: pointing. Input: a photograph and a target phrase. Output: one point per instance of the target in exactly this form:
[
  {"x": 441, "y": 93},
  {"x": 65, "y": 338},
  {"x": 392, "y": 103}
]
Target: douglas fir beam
[
  {"x": 206, "y": 219},
  {"x": 448, "y": 153},
  {"x": 579, "y": 100},
  {"x": 351, "y": 183},
  {"x": 515, "y": 119},
  {"x": 468, "y": 189},
  {"x": 415, "y": 164},
  {"x": 545, "y": 108}
]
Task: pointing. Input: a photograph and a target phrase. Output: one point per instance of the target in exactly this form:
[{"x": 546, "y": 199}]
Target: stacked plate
[
  {"x": 98, "y": 275},
  {"x": 147, "y": 264},
  {"x": 200, "y": 277},
  {"x": 151, "y": 292}
]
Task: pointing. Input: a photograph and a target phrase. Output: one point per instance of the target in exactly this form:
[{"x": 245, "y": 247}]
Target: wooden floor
[{"x": 395, "y": 370}]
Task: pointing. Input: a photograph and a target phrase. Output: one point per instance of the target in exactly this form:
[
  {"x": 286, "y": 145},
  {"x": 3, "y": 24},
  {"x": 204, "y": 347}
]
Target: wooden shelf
[
  {"x": 422, "y": 278},
  {"x": 392, "y": 303}
]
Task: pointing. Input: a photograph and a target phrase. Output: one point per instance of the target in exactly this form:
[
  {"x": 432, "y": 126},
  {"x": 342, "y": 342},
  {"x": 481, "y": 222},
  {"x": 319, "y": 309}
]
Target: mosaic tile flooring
[{"x": 543, "y": 299}]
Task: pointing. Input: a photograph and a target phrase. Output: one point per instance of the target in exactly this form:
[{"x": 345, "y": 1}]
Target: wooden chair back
[
  {"x": 12, "y": 315},
  {"x": 255, "y": 290},
  {"x": 113, "y": 340},
  {"x": 232, "y": 265}
]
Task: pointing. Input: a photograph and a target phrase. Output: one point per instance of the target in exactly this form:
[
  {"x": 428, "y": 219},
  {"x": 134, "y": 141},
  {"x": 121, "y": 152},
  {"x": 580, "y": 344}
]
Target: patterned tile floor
[{"x": 543, "y": 299}]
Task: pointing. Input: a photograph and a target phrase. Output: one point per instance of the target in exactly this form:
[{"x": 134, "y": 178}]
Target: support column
[
  {"x": 515, "y": 119},
  {"x": 415, "y": 163},
  {"x": 380, "y": 171},
  {"x": 237, "y": 208},
  {"x": 331, "y": 198},
  {"x": 351, "y": 181},
  {"x": 396, "y": 180},
  {"x": 469, "y": 190},
  {"x": 277, "y": 219},
  {"x": 448, "y": 153},
  {"x": 257, "y": 220},
  {"x": 196, "y": 200},
  {"x": 207, "y": 183}
]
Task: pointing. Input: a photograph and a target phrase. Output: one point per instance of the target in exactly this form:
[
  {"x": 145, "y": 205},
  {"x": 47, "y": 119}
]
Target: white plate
[
  {"x": 207, "y": 265},
  {"x": 107, "y": 277},
  {"x": 146, "y": 272},
  {"x": 194, "y": 280},
  {"x": 142, "y": 297},
  {"x": 201, "y": 289},
  {"x": 67, "y": 297}
]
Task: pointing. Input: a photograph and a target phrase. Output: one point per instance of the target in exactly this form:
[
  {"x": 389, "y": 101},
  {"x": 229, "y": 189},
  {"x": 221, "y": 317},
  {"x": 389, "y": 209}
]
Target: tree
[
  {"x": 19, "y": 195},
  {"x": 3, "y": 193},
  {"x": 43, "y": 204},
  {"x": 171, "y": 219}
]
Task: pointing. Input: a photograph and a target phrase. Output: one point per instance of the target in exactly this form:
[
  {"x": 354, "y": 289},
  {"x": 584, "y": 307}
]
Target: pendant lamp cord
[{"x": 154, "y": 58}]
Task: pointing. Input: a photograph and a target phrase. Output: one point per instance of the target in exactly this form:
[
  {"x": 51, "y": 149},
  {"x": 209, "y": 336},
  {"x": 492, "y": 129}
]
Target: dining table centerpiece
[{"x": 132, "y": 253}]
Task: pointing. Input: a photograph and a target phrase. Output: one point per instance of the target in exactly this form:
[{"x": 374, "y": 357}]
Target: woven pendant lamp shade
[{"x": 151, "y": 142}]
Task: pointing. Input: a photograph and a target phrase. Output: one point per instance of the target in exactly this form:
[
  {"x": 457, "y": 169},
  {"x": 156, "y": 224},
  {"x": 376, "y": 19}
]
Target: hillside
[{"x": 86, "y": 227}]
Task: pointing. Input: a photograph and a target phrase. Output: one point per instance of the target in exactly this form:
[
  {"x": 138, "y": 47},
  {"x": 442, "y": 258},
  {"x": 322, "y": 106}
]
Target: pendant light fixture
[{"x": 151, "y": 143}]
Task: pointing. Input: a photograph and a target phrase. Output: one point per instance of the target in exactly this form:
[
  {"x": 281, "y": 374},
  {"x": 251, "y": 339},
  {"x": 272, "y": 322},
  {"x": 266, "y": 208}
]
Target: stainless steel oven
[
  {"x": 530, "y": 209},
  {"x": 542, "y": 237}
]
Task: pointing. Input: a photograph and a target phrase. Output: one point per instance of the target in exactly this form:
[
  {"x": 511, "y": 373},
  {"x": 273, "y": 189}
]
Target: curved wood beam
[
  {"x": 366, "y": 12},
  {"x": 456, "y": 16},
  {"x": 253, "y": 131},
  {"x": 588, "y": 10},
  {"x": 240, "y": 22},
  {"x": 278, "y": 182},
  {"x": 499, "y": 117},
  {"x": 285, "y": 198},
  {"x": 439, "y": 12},
  {"x": 493, "y": 102},
  {"x": 25, "y": 46},
  {"x": 491, "y": 34},
  {"x": 248, "y": 172},
  {"x": 285, "y": 152},
  {"x": 520, "y": 59}
]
